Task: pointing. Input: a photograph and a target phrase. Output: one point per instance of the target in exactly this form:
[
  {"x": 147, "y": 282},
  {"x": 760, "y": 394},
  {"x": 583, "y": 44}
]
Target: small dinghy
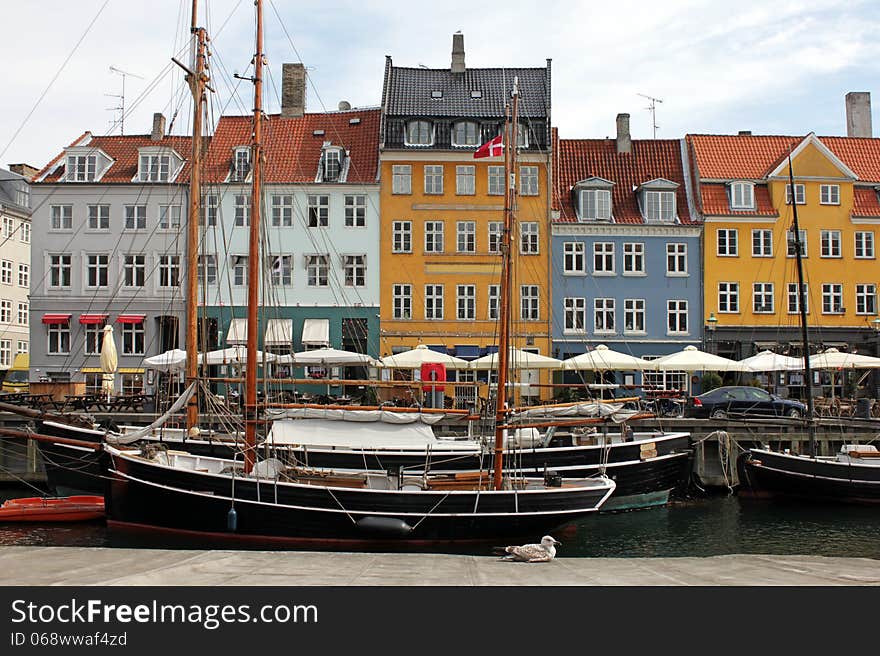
[{"x": 53, "y": 509}]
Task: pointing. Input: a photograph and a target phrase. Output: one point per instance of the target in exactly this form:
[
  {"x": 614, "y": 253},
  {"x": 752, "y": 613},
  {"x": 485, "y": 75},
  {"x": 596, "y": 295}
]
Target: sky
[{"x": 769, "y": 67}]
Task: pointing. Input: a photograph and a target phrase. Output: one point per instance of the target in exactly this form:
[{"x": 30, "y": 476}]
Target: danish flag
[{"x": 493, "y": 148}]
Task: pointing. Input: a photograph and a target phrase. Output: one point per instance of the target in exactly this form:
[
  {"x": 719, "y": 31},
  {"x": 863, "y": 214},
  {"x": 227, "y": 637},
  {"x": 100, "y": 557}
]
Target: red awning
[
  {"x": 56, "y": 318},
  {"x": 130, "y": 318},
  {"x": 92, "y": 319}
]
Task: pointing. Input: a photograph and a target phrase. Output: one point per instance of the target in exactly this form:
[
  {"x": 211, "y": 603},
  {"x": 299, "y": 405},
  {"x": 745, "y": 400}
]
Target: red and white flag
[{"x": 493, "y": 148}]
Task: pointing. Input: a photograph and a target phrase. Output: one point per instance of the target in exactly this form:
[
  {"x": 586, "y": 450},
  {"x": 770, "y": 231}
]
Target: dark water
[{"x": 710, "y": 526}]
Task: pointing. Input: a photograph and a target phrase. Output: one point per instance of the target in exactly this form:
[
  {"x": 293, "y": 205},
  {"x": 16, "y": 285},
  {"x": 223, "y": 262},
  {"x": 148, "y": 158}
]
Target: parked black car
[{"x": 743, "y": 401}]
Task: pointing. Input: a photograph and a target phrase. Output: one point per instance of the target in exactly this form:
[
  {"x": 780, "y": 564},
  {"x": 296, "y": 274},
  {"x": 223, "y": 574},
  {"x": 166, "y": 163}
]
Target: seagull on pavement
[{"x": 531, "y": 553}]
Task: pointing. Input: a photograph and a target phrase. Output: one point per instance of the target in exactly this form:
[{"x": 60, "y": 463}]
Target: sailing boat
[
  {"x": 267, "y": 502},
  {"x": 852, "y": 476}
]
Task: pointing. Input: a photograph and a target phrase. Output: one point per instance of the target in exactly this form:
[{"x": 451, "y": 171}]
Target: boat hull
[
  {"x": 768, "y": 474},
  {"x": 41, "y": 509}
]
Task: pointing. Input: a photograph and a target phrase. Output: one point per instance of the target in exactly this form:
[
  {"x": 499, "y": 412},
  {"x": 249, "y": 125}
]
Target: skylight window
[
  {"x": 476, "y": 94},
  {"x": 437, "y": 94}
]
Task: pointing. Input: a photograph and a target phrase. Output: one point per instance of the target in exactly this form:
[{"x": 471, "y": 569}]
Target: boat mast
[
  {"x": 504, "y": 300},
  {"x": 250, "y": 383},
  {"x": 802, "y": 307},
  {"x": 197, "y": 82}
]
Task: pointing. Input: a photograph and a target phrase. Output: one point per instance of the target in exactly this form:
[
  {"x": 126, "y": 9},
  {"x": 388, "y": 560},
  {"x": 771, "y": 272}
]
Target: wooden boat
[{"x": 53, "y": 509}]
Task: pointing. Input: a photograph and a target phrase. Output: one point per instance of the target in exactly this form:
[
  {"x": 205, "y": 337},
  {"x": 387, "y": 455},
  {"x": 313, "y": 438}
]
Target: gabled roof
[
  {"x": 649, "y": 160},
  {"x": 811, "y": 140},
  {"x": 408, "y": 91},
  {"x": 292, "y": 148}
]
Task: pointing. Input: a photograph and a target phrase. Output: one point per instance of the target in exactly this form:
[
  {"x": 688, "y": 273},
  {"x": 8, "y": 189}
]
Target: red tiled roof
[
  {"x": 865, "y": 202},
  {"x": 717, "y": 202},
  {"x": 580, "y": 159},
  {"x": 862, "y": 155},
  {"x": 124, "y": 151},
  {"x": 293, "y": 151}
]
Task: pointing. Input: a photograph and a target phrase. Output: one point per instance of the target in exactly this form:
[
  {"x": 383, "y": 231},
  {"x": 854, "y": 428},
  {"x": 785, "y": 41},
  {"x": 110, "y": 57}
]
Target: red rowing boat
[{"x": 53, "y": 509}]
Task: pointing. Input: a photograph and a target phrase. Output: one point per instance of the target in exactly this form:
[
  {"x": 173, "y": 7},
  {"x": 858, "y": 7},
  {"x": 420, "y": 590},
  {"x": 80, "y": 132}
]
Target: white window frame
[
  {"x": 169, "y": 271},
  {"x": 604, "y": 316},
  {"x": 790, "y": 244},
  {"x": 422, "y": 130},
  {"x": 207, "y": 268},
  {"x": 604, "y": 259},
  {"x": 99, "y": 218},
  {"x": 134, "y": 338},
  {"x": 470, "y": 136},
  {"x": 401, "y": 299},
  {"x": 61, "y": 218},
  {"x": 241, "y": 164},
  {"x": 530, "y": 303},
  {"x": 864, "y": 245},
  {"x": 829, "y": 194},
  {"x": 728, "y": 297},
  {"x": 170, "y": 217},
  {"x": 831, "y": 244},
  {"x": 282, "y": 270},
  {"x": 493, "y": 298},
  {"x": 135, "y": 218},
  {"x": 728, "y": 245},
  {"x": 574, "y": 258},
  {"x": 97, "y": 265},
  {"x": 134, "y": 269},
  {"x": 495, "y": 180},
  {"x": 60, "y": 267},
  {"x": 465, "y": 180},
  {"x": 401, "y": 236},
  {"x": 800, "y": 194},
  {"x": 496, "y": 234},
  {"x": 433, "y": 174},
  {"x": 742, "y": 196},
  {"x": 832, "y": 298},
  {"x": 318, "y": 211},
  {"x": 355, "y": 211},
  {"x": 435, "y": 236},
  {"x": 660, "y": 206},
  {"x": 866, "y": 299},
  {"x": 634, "y": 258},
  {"x": 354, "y": 268},
  {"x": 58, "y": 338},
  {"x": 24, "y": 275},
  {"x": 762, "y": 242},
  {"x": 676, "y": 254},
  {"x": 466, "y": 302},
  {"x": 594, "y": 205},
  {"x": 575, "y": 315},
  {"x": 154, "y": 167},
  {"x": 677, "y": 321},
  {"x": 465, "y": 236},
  {"x": 434, "y": 302},
  {"x": 242, "y": 204},
  {"x": 210, "y": 209},
  {"x": 634, "y": 315},
  {"x": 761, "y": 292},
  {"x": 529, "y": 181},
  {"x": 81, "y": 168},
  {"x": 401, "y": 179},
  {"x": 794, "y": 298},
  {"x": 529, "y": 238},
  {"x": 6, "y": 269}
]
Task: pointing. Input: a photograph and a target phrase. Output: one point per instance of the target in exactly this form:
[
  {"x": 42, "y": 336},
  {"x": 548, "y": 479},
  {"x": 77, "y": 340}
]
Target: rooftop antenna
[
  {"x": 653, "y": 110},
  {"x": 121, "y": 107}
]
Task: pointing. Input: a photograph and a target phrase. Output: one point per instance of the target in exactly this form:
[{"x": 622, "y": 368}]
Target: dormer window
[
  {"x": 593, "y": 199},
  {"x": 419, "y": 133},
  {"x": 657, "y": 201},
  {"x": 742, "y": 196},
  {"x": 241, "y": 164},
  {"x": 522, "y": 136},
  {"x": 466, "y": 133},
  {"x": 332, "y": 164},
  {"x": 81, "y": 168},
  {"x": 155, "y": 168}
]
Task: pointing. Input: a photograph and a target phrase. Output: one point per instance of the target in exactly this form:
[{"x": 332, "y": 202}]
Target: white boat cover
[
  {"x": 329, "y": 433},
  {"x": 613, "y": 411},
  {"x": 368, "y": 416}
]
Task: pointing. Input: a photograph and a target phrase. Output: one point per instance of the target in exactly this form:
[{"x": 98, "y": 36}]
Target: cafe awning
[
  {"x": 279, "y": 332},
  {"x": 131, "y": 318},
  {"x": 92, "y": 319},
  {"x": 316, "y": 332},
  {"x": 56, "y": 318},
  {"x": 237, "y": 333}
]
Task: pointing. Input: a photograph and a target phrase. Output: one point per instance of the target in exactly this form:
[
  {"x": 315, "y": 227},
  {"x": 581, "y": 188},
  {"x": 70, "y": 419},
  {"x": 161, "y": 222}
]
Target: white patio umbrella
[
  {"x": 173, "y": 360},
  {"x": 693, "y": 359},
  {"x": 519, "y": 359},
  {"x": 233, "y": 355},
  {"x": 421, "y": 354},
  {"x": 326, "y": 356},
  {"x": 109, "y": 361},
  {"x": 834, "y": 359},
  {"x": 603, "y": 358},
  {"x": 770, "y": 361}
]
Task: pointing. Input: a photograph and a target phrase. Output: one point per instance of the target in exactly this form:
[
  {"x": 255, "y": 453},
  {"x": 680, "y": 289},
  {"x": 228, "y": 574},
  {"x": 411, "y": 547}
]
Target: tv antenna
[
  {"x": 121, "y": 107},
  {"x": 653, "y": 109}
]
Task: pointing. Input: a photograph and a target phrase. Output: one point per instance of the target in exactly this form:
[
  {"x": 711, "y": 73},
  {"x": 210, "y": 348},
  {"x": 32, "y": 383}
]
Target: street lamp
[{"x": 711, "y": 322}]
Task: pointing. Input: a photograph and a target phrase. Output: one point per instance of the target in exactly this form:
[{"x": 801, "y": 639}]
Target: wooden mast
[
  {"x": 197, "y": 82},
  {"x": 504, "y": 300},
  {"x": 802, "y": 308},
  {"x": 250, "y": 383}
]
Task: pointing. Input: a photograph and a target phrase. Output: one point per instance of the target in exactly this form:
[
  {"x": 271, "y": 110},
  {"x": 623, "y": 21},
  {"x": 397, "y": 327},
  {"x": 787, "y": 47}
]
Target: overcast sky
[{"x": 770, "y": 67}]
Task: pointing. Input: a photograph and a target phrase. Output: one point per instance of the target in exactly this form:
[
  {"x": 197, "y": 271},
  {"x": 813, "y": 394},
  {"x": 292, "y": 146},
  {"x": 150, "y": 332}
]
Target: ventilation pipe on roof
[
  {"x": 293, "y": 90},
  {"x": 858, "y": 114},
  {"x": 158, "y": 132},
  {"x": 458, "y": 53},
  {"x": 624, "y": 140}
]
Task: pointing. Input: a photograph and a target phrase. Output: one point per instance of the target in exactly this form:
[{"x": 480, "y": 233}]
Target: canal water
[{"x": 706, "y": 526}]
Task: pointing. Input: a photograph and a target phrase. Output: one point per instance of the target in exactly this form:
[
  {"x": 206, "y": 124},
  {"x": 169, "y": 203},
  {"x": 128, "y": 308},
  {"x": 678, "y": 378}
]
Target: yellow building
[
  {"x": 750, "y": 275},
  {"x": 442, "y": 211}
]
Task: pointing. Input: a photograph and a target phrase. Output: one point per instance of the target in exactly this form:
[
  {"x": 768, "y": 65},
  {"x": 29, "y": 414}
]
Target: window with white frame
[
  {"x": 135, "y": 217},
  {"x": 401, "y": 296},
  {"x": 5, "y": 311},
  {"x": 465, "y": 180},
  {"x": 434, "y": 236},
  {"x": 496, "y": 181},
  {"x": 466, "y": 236},
  {"x": 134, "y": 270},
  {"x": 242, "y": 204},
  {"x": 493, "y": 296},
  {"x": 282, "y": 210},
  {"x": 528, "y": 238},
  {"x": 59, "y": 338},
  {"x": 762, "y": 243},
  {"x": 8, "y": 226},
  {"x": 60, "y": 269},
  {"x": 97, "y": 270},
  {"x": 830, "y": 243},
  {"x": 401, "y": 237},
  {"x": 99, "y": 217},
  {"x": 419, "y": 133},
  {"x": 401, "y": 179},
  {"x": 433, "y": 179},
  {"x": 24, "y": 314},
  {"x": 133, "y": 338},
  {"x": 332, "y": 164},
  {"x": 603, "y": 258},
  {"x": 21, "y": 347},
  {"x": 792, "y": 246},
  {"x": 866, "y": 298},
  {"x": 677, "y": 317},
  {"x": 659, "y": 205},
  {"x": 132, "y": 383},
  {"x": 829, "y": 194},
  {"x": 633, "y": 259},
  {"x": 241, "y": 164},
  {"x": 496, "y": 232},
  {"x": 155, "y": 168},
  {"x": 634, "y": 315},
  {"x": 800, "y": 195},
  {"x": 466, "y": 298},
  {"x": 5, "y": 352},
  {"x": 169, "y": 217},
  {"x": 794, "y": 299},
  {"x": 603, "y": 315},
  {"x": 529, "y": 303},
  {"x": 728, "y": 242},
  {"x": 319, "y": 211},
  {"x": 832, "y": 298},
  {"x": 433, "y": 302},
  {"x": 169, "y": 271},
  {"x": 676, "y": 259},
  {"x": 354, "y": 268},
  {"x": 62, "y": 217},
  {"x": 742, "y": 196},
  {"x": 595, "y": 204},
  {"x": 864, "y": 247},
  {"x": 574, "y": 258},
  {"x": 522, "y": 136},
  {"x": 728, "y": 297},
  {"x": 210, "y": 207},
  {"x": 24, "y": 275},
  {"x": 528, "y": 180},
  {"x": 282, "y": 270},
  {"x": 92, "y": 334},
  {"x": 207, "y": 270},
  {"x": 240, "y": 270},
  {"x": 81, "y": 168},
  {"x": 575, "y": 313},
  {"x": 25, "y": 233},
  {"x": 318, "y": 269},
  {"x": 763, "y": 298},
  {"x": 355, "y": 210},
  {"x": 466, "y": 133}
]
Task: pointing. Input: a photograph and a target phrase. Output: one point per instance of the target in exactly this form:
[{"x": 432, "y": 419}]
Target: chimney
[
  {"x": 624, "y": 140},
  {"x": 458, "y": 53},
  {"x": 158, "y": 132},
  {"x": 24, "y": 170},
  {"x": 858, "y": 114},
  {"x": 293, "y": 90}
]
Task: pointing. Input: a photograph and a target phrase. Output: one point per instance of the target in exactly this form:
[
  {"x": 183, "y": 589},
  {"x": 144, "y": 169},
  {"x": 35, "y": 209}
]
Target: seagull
[{"x": 531, "y": 553}]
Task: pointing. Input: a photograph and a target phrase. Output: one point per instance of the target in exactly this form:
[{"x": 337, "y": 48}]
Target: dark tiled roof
[
  {"x": 580, "y": 159},
  {"x": 293, "y": 150},
  {"x": 408, "y": 92}
]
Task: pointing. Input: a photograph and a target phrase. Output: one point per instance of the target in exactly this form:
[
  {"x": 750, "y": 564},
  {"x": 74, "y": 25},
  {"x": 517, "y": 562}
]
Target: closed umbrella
[
  {"x": 603, "y": 358},
  {"x": 109, "y": 361}
]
